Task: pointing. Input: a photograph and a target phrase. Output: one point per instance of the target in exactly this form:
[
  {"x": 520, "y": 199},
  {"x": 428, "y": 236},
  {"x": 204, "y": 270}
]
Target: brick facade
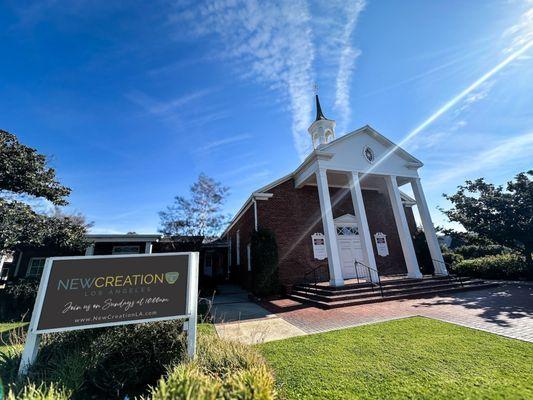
[{"x": 294, "y": 215}]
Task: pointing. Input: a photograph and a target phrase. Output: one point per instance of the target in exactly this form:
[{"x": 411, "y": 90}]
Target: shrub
[
  {"x": 451, "y": 258},
  {"x": 222, "y": 370},
  {"x": 125, "y": 359},
  {"x": 33, "y": 392},
  {"x": 108, "y": 362},
  {"x": 17, "y": 299},
  {"x": 476, "y": 251},
  {"x": 265, "y": 263},
  {"x": 504, "y": 266}
]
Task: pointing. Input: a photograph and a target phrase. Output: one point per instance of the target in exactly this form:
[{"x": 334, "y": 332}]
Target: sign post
[{"x": 97, "y": 291}]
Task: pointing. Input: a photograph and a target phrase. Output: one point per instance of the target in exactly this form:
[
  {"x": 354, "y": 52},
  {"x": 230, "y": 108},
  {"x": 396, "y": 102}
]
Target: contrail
[{"x": 421, "y": 127}]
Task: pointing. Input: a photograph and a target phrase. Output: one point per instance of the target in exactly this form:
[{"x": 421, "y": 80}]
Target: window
[
  {"x": 36, "y": 266},
  {"x": 229, "y": 253},
  {"x": 125, "y": 250},
  {"x": 238, "y": 249},
  {"x": 347, "y": 230},
  {"x": 249, "y": 256}
]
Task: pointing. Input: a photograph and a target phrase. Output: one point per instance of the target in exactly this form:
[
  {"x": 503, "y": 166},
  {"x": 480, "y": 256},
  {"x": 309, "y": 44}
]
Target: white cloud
[
  {"x": 215, "y": 144},
  {"x": 348, "y": 56},
  {"x": 520, "y": 33},
  {"x": 517, "y": 149},
  {"x": 165, "y": 107},
  {"x": 267, "y": 42}
]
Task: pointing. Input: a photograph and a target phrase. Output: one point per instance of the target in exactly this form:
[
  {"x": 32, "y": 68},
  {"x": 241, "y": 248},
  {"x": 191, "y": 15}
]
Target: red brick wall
[
  {"x": 245, "y": 226},
  {"x": 294, "y": 215}
]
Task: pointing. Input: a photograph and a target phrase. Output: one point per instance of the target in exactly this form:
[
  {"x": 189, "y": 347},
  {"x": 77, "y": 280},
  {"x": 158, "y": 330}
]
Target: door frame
[{"x": 350, "y": 221}]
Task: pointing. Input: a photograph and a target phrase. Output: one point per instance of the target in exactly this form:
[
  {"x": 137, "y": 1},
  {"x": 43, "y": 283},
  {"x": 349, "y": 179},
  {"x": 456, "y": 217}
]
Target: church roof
[{"x": 319, "y": 113}]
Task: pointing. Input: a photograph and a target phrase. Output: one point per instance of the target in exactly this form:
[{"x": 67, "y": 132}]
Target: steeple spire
[
  {"x": 322, "y": 130},
  {"x": 319, "y": 113}
]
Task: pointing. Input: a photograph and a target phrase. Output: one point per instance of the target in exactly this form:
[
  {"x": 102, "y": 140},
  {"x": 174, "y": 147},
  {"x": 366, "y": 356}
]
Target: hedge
[
  {"x": 141, "y": 360},
  {"x": 504, "y": 266},
  {"x": 265, "y": 280}
]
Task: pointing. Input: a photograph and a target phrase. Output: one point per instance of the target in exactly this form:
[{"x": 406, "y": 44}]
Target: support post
[
  {"x": 31, "y": 348},
  {"x": 429, "y": 229},
  {"x": 148, "y": 247},
  {"x": 362, "y": 224},
  {"x": 413, "y": 271},
  {"x": 89, "y": 251},
  {"x": 334, "y": 263},
  {"x": 192, "y": 305}
]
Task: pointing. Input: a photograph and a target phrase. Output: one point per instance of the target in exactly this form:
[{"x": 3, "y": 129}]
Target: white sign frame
[
  {"x": 322, "y": 255},
  {"x": 382, "y": 248},
  {"x": 33, "y": 336}
]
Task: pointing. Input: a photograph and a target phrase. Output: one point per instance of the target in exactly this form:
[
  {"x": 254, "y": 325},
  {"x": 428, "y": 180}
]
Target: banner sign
[
  {"x": 96, "y": 291},
  {"x": 381, "y": 244},
  {"x": 319, "y": 246}
]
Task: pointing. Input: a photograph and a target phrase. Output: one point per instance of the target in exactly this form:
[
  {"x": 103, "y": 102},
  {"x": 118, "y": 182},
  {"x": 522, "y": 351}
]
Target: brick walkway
[{"x": 505, "y": 310}]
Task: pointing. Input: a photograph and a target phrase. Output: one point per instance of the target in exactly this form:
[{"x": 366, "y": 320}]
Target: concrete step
[
  {"x": 376, "y": 298},
  {"x": 387, "y": 292},
  {"x": 368, "y": 288}
]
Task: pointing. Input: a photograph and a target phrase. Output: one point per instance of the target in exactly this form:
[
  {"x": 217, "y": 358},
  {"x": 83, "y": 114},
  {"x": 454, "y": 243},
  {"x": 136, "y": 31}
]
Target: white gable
[{"x": 347, "y": 153}]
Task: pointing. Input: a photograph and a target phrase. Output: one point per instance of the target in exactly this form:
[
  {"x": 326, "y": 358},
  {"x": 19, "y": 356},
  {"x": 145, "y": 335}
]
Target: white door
[{"x": 350, "y": 250}]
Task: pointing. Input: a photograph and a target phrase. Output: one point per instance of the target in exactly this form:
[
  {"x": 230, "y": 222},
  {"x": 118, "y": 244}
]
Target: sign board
[
  {"x": 381, "y": 244},
  {"x": 319, "y": 246},
  {"x": 98, "y": 291}
]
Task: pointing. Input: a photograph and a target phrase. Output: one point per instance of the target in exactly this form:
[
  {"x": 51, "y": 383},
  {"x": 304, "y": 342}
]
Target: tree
[
  {"x": 24, "y": 172},
  {"x": 502, "y": 216},
  {"x": 198, "y": 215}
]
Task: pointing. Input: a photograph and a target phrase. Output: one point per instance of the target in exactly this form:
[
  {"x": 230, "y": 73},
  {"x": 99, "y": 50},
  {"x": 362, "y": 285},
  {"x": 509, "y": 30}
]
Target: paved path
[
  {"x": 505, "y": 310},
  {"x": 236, "y": 317}
]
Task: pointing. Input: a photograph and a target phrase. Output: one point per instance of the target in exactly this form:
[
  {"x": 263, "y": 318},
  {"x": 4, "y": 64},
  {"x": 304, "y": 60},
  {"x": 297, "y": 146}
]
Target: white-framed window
[
  {"x": 229, "y": 252},
  {"x": 35, "y": 266},
  {"x": 249, "y": 256},
  {"x": 238, "y": 249},
  {"x": 125, "y": 249},
  {"x": 347, "y": 230}
]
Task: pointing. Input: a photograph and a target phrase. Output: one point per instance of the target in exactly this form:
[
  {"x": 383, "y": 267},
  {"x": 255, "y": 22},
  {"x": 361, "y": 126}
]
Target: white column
[
  {"x": 148, "y": 247},
  {"x": 413, "y": 271},
  {"x": 89, "y": 251},
  {"x": 429, "y": 229},
  {"x": 362, "y": 224},
  {"x": 334, "y": 262}
]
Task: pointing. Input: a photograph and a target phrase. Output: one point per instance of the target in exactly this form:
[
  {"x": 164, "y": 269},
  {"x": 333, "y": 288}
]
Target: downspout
[{"x": 255, "y": 214}]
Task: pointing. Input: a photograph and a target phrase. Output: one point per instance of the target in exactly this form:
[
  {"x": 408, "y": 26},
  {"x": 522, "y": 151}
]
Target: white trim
[
  {"x": 28, "y": 268},
  {"x": 367, "y": 128},
  {"x": 17, "y": 267},
  {"x": 134, "y": 237},
  {"x": 238, "y": 247}
]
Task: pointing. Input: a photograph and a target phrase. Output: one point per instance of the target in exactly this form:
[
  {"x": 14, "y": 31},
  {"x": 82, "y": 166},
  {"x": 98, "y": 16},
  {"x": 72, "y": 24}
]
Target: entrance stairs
[{"x": 325, "y": 296}]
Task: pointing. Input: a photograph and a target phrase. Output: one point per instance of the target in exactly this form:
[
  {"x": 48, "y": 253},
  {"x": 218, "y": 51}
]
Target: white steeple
[{"x": 322, "y": 131}]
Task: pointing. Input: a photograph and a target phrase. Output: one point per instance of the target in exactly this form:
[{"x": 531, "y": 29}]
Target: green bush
[
  {"x": 451, "y": 258},
  {"x": 17, "y": 299},
  {"x": 504, "y": 266},
  {"x": 476, "y": 251},
  {"x": 108, "y": 362},
  {"x": 222, "y": 370},
  {"x": 33, "y": 392},
  {"x": 264, "y": 248}
]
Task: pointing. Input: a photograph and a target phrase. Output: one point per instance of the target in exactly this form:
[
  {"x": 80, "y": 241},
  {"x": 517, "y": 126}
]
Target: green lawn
[{"x": 415, "y": 358}]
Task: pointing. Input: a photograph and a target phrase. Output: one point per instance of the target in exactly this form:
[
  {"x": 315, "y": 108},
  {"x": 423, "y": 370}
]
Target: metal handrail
[
  {"x": 450, "y": 276},
  {"x": 315, "y": 280},
  {"x": 370, "y": 269}
]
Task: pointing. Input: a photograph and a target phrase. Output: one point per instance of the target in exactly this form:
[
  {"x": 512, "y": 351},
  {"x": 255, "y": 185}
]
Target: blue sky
[{"x": 132, "y": 100}]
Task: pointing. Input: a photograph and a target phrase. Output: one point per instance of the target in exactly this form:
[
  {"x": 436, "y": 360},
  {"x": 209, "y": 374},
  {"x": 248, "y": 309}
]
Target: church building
[{"x": 343, "y": 208}]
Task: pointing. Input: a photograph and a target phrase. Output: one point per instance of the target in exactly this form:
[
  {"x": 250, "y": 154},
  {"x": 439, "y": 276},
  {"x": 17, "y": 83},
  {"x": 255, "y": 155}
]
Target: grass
[
  {"x": 5, "y": 328},
  {"x": 415, "y": 358}
]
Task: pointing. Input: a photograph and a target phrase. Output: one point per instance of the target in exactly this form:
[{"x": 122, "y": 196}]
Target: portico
[{"x": 380, "y": 166}]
